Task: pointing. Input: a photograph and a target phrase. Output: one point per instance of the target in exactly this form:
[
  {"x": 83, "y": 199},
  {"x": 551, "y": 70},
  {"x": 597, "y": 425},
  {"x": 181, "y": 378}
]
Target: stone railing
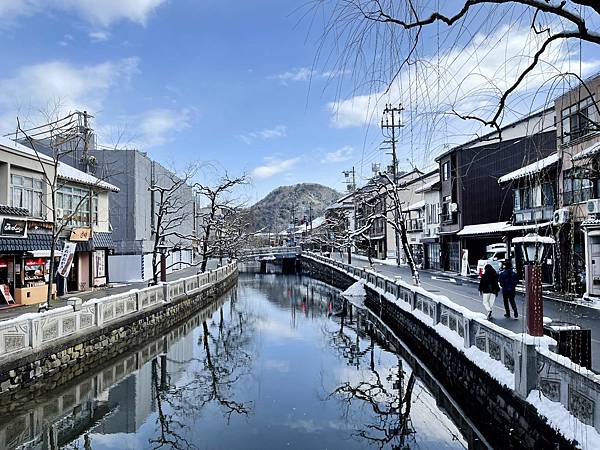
[
  {"x": 529, "y": 361},
  {"x": 33, "y": 331}
]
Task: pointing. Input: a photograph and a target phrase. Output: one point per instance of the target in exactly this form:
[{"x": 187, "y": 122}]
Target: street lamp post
[
  {"x": 162, "y": 249},
  {"x": 535, "y": 248}
]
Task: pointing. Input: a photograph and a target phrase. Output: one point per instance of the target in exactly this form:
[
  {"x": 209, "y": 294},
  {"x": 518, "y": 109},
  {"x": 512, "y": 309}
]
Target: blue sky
[{"x": 231, "y": 82}]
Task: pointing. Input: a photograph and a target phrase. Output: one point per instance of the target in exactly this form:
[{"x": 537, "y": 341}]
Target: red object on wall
[
  {"x": 35, "y": 261},
  {"x": 533, "y": 298},
  {"x": 3, "y": 263}
]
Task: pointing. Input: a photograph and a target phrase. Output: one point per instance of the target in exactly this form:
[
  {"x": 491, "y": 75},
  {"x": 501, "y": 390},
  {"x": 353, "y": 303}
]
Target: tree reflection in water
[
  {"x": 381, "y": 389},
  {"x": 226, "y": 359}
]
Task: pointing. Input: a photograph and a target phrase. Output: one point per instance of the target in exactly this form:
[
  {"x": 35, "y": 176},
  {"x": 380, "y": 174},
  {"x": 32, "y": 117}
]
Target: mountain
[{"x": 274, "y": 212}]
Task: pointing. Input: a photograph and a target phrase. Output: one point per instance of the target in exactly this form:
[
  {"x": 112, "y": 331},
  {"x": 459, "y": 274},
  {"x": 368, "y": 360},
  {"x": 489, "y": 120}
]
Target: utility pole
[
  {"x": 391, "y": 114},
  {"x": 85, "y": 157},
  {"x": 352, "y": 188}
]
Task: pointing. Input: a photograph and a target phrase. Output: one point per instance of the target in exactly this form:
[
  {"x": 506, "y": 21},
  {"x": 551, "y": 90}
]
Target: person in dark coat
[
  {"x": 508, "y": 280},
  {"x": 488, "y": 288}
]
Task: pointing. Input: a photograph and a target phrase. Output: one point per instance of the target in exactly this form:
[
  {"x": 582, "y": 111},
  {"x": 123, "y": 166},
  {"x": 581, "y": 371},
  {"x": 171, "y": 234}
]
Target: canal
[{"x": 280, "y": 361}]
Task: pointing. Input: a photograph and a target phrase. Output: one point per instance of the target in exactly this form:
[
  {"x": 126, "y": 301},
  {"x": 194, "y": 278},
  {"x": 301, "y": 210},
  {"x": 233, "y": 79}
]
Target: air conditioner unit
[
  {"x": 59, "y": 213},
  {"x": 560, "y": 216},
  {"x": 436, "y": 230},
  {"x": 593, "y": 206},
  {"x": 453, "y": 207}
]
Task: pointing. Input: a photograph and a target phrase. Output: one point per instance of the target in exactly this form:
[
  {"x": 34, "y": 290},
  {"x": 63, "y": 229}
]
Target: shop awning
[
  {"x": 530, "y": 169},
  {"x": 587, "y": 152},
  {"x": 417, "y": 205},
  {"x": 483, "y": 229},
  {"x": 43, "y": 253},
  {"x": 33, "y": 241}
]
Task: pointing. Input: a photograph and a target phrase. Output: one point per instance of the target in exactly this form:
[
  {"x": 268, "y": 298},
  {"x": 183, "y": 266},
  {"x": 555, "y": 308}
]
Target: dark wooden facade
[{"x": 472, "y": 184}]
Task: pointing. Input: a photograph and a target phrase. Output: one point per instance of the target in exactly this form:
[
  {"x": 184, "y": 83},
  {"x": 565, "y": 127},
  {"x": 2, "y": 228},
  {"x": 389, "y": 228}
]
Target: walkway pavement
[
  {"x": 115, "y": 288},
  {"x": 467, "y": 294}
]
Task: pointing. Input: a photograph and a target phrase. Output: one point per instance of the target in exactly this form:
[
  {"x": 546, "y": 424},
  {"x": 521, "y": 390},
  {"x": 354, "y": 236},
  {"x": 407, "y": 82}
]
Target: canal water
[{"x": 278, "y": 362}]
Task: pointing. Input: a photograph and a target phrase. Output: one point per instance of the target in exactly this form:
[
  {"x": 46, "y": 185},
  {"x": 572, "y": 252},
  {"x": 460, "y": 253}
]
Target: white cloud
[
  {"x": 268, "y": 133},
  {"x": 157, "y": 126},
  {"x": 305, "y": 74},
  {"x": 39, "y": 86},
  {"x": 97, "y": 12},
  {"x": 340, "y": 155},
  {"x": 99, "y": 36},
  {"x": 273, "y": 167},
  {"x": 468, "y": 79}
]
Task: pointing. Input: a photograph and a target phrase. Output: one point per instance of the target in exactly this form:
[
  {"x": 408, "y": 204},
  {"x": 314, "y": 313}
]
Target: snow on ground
[
  {"x": 558, "y": 416},
  {"x": 356, "y": 290},
  {"x": 562, "y": 420}
]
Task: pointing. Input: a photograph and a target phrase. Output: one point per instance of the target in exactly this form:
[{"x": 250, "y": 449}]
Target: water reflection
[{"x": 282, "y": 361}]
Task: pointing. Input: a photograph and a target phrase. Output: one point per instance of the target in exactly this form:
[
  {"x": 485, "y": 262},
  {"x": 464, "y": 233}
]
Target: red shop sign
[
  {"x": 35, "y": 261},
  {"x": 3, "y": 263}
]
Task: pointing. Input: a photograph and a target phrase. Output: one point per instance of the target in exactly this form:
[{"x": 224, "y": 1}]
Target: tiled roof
[
  {"x": 6, "y": 210},
  {"x": 33, "y": 241},
  {"x": 103, "y": 240}
]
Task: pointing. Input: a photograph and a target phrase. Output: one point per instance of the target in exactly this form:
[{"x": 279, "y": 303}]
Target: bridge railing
[
  {"x": 529, "y": 362},
  {"x": 264, "y": 251},
  {"x": 33, "y": 331}
]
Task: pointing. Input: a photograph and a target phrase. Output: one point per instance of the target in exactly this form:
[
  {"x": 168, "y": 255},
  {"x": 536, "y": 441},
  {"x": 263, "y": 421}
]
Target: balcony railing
[{"x": 538, "y": 214}]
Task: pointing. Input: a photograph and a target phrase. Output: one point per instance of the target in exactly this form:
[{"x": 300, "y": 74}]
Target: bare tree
[
  {"x": 382, "y": 38},
  {"x": 60, "y": 137},
  {"x": 220, "y": 207},
  {"x": 172, "y": 206}
]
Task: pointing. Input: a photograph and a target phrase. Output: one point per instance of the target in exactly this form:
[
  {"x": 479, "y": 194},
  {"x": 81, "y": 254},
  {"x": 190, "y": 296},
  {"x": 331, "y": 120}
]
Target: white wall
[{"x": 126, "y": 268}]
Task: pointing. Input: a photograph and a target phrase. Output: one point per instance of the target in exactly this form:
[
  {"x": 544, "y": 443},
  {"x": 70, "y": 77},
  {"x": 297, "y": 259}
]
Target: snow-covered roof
[
  {"x": 427, "y": 186},
  {"x": 9, "y": 143},
  {"x": 587, "y": 152},
  {"x": 483, "y": 228},
  {"x": 65, "y": 171},
  {"x": 533, "y": 226},
  {"x": 417, "y": 205},
  {"x": 317, "y": 222},
  {"x": 530, "y": 169},
  {"x": 499, "y": 227},
  {"x": 70, "y": 173}
]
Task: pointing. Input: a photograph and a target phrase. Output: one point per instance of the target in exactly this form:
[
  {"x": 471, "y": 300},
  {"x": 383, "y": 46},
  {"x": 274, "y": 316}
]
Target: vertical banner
[
  {"x": 68, "y": 252},
  {"x": 464, "y": 267}
]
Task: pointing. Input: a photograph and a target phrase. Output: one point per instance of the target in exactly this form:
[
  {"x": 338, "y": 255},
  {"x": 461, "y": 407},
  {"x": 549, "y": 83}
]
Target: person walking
[
  {"x": 488, "y": 288},
  {"x": 508, "y": 280}
]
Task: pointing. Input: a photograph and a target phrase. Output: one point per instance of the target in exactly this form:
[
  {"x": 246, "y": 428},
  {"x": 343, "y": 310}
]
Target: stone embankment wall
[
  {"x": 506, "y": 420},
  {"x": 63, "y": 359}
]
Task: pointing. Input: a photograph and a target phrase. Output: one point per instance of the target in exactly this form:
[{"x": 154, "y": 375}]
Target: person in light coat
[{"x": 489, "y": 288}]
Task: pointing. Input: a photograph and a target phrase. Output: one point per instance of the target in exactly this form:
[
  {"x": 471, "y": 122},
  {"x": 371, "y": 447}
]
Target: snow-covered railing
[
  {"x": 527, "y": 363},
  {"x": 34, "y": 330}
]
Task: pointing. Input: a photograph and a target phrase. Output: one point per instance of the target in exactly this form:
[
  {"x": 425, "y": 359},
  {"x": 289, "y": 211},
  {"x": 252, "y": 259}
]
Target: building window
[
  {"x": 446, "y": 213},
  {"x": 75, "y": 205},
  {"x": 95, "y": 209},
  {"x": 27, "y": 192},
  {"x": 446, "y": 171},
  {"x": 576, "y": 189},
  {"x": 579, "y": 119}
]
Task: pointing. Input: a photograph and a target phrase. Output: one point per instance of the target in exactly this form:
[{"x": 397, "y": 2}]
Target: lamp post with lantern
[
  {"x": 534, "y": 248},
  {"x": 162, "y": 249}
]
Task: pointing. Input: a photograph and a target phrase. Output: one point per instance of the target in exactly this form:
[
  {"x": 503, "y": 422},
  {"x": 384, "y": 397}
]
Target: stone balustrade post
[
  {"x": 166, "y": 292},
  {"x": 525, "y": 368},
  {"x": 469, "y": 334}
]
